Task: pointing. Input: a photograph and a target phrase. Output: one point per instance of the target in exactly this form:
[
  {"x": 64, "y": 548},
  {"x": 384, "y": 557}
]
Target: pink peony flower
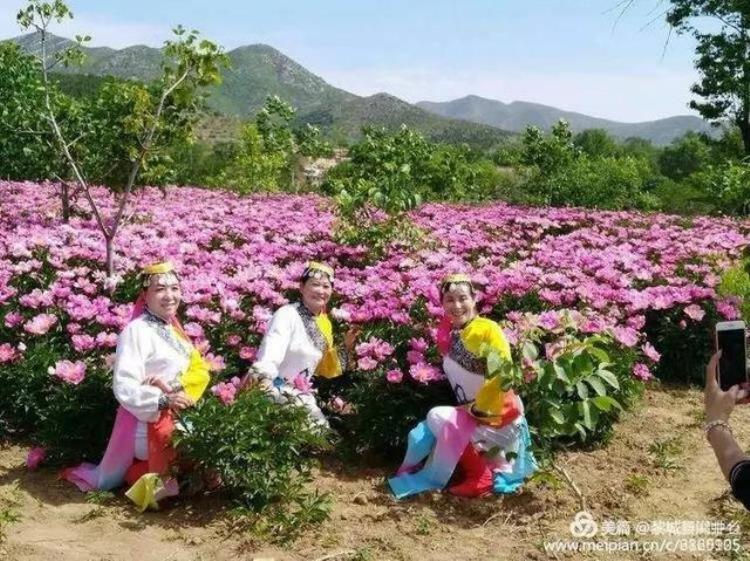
[
  {"x": 415, "y": 357},
  {"x": 548, "y": 320},
  {"x": 418, "y": 344},
  {"x": 302, "y": 383},
  {"x": 83, "y": 343},
  {"x": 642, "y": 372},
  {"x": 35, "y": 457},
  {"x": 69, "y": 372},
  {"x": 649, "y": 350},
  {"x": 226, "y": 392},
  {"x": 338, "y": 405},
  {"x": 394, "y": 376},
  {"x": 425, "y": 373},
  {"x": 727, "y": 310},
  {"x": 234, "y": 340},
  {"x": 367, "y": 363},
  {"x": 695, "y": 312},
  {"x": 8, "y": 353},
  {"x": 248, "y": 353},
  {"x": 40, "y": 324},
  {"x": 215, "y": 362},
  {"x": 626, "y": 336},
  {"x": 13, "y": 319},
  {"x": 340, "y": 314}
]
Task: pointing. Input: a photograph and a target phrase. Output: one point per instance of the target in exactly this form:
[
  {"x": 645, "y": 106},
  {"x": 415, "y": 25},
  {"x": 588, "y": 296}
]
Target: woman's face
[
  {"x": 163, "y": 295},
  {"x": 459, "y": 304},
  {"x": 316, "y": 292}
]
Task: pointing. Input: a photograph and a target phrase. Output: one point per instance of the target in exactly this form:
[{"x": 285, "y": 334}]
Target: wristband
[
  {"x": 708, "y": 427},
  {"x": 163, "y": 402}
]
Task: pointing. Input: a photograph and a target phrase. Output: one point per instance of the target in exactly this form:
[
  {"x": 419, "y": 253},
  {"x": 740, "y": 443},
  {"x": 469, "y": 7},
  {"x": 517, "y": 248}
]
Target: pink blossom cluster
[
  {"x": 227, "y": 391},
  {"x": 240, "y": 258}
]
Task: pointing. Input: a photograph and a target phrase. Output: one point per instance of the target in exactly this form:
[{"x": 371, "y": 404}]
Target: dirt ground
[{"x": 657, "y": 467}]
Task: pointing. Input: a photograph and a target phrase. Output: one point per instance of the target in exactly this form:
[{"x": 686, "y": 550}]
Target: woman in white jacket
[{"x": 299, "y": 345}]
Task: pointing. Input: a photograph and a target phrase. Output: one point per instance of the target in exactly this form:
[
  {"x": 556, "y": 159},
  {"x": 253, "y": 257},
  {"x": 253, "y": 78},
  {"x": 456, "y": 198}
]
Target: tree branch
[
  {"x": 145, "y": 146},
  {"x": 61, "y": 137}
]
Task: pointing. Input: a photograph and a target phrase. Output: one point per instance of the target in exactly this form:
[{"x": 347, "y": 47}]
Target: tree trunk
[
  {"x": 744, "y": 126},
  {"x": 65, "y": 196},
  {"x": 110, "y": 244}
]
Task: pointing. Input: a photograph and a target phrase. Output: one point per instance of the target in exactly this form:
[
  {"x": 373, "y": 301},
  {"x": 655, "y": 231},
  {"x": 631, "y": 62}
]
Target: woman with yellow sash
[
  {"x": 157, "y": 372},
  {"x": 299, "y": 345},
  {"x": 485, "y": 434}
]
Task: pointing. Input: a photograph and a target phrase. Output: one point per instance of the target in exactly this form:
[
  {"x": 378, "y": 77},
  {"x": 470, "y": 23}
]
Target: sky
[{"x": 577, "y": 55}]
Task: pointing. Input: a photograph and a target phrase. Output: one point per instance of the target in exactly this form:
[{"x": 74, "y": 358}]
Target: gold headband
[
  {"x": 158, "y": 268},
  {"x": 322, "y": 267},
  {"x": 455, "y": 277}
]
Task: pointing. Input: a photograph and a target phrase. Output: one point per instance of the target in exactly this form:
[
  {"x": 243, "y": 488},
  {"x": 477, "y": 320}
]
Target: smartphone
[{"x": 730, "y": 339}]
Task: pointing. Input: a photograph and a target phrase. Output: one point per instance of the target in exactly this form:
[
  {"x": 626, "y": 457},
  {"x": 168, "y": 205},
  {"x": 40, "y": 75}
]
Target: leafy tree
[
  {"x": 605, "y": 183},
  {"x": 27, "y": 145},
  {"x": 270, "y": 151},
  {"x": 727, "y": 185},
  {"x": 125, "y": 129},
  {"x": 596, "y": 143},
  {"x": 639, "y": 148},
  {"x": 548, "y": 153},
  {"x": 684, "y": 156},
  {"x": 723, "y": 58}
]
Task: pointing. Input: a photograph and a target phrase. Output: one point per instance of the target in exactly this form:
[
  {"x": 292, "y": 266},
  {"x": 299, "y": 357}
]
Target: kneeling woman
[
  {"x": 486, "y": 435},
  {"x": 299, "y": 344},
  {"x": 157, "y": 372}
]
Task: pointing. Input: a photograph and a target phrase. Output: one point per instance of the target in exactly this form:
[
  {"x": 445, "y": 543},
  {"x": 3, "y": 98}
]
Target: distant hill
[
  {"x": 258, "y": 71},
  {"x": 344, "y": 121},
  {"x": 516, "y": 116}
]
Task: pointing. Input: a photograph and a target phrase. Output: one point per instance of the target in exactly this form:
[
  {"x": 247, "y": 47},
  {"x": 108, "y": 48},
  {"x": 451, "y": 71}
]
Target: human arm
[{"x": 719, "y": 405}]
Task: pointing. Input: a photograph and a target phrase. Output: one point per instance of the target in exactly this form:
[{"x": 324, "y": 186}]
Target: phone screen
[{"x": 732, "y": 365}]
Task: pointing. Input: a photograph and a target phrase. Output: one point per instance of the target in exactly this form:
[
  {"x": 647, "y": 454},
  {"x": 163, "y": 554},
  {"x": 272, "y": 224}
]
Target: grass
[
  {"x": 665, "y": 453},
  {"x": 636, "y": 484}
]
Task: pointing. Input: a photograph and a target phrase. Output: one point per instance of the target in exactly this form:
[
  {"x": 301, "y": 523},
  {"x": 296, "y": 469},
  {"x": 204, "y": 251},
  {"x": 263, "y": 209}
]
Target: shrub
[
  {"x": 606, "y": 183},
  {"x": 384, "y": 412},
  {"x": 685, "y": 344},
  {"x": 259, "y": 449}
]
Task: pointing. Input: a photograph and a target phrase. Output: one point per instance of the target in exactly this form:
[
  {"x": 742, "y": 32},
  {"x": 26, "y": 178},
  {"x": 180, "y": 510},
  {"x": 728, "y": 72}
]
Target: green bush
[
  {"x": 262, "y": 451},
  {"x": 606, "y": 183},
  {"x": 385, "y": 412},
  {"x": 728, "y": 185},
  {"x": 685, "y": 345},
  {"x": 575, "y": 391},
  {"x": 72, "y": 423}
]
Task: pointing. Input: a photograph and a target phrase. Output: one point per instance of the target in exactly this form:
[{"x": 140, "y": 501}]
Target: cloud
[
  {"x": 104, "y": 31},
  {"x": 629, "y": 97}
]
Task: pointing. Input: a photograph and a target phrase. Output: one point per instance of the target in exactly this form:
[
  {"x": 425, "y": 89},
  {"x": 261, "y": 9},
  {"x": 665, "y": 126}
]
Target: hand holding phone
[{"x": 730, "y": 340}]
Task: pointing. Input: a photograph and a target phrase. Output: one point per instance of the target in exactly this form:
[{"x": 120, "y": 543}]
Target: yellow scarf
[{"x": 330, "y": 365}]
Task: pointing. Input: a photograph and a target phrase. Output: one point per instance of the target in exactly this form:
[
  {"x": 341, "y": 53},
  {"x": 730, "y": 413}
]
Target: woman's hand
[
  {"x": 179, "y": 401},
  {"x": 350, "y": 338},
  {"x": 718, "y": 403},
  {"x": 156, "y": 381}
]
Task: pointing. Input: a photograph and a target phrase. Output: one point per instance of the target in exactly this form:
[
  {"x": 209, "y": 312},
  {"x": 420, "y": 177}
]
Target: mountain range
[
  {"x": 516, "y": 116},
  {"x": 258, "y": 71}
]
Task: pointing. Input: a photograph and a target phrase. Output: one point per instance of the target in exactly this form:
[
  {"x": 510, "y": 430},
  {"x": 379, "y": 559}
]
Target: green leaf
[
  {"x": 585, "y": 410},
  {"x": 600, "y": 354},
  {"x": 557, "y": 416},
  {"x": 583, "y": 391},
  {"x": 529, "y": 351},
  {"x": 606, "y": 403},
  {"x": 597, "y": 385},
  {"x": 608, "y": 377},
  {"x": 560, "y": 373}
]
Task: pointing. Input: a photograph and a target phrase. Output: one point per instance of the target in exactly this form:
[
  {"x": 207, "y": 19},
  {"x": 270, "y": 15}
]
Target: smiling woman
[
  {"x": 299, "y": 345},
  {"x": 157, "y": 373},
  {"x": 485, "y": 434}
]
